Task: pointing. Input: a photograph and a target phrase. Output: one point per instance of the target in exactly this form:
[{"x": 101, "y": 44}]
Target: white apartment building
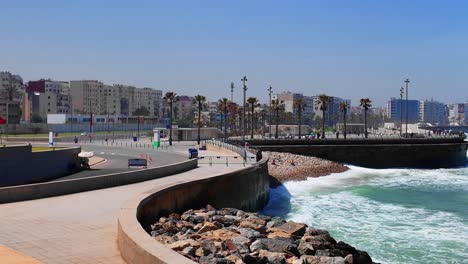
[{"x": 433, "y": 112}]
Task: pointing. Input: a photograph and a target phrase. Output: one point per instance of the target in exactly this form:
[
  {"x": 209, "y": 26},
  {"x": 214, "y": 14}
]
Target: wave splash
[{"x": 397, "y": 215}]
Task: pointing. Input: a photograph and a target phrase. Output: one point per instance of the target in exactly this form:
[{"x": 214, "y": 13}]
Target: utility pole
[
  {"x": 232, "y": 91},
  {"x": 407, "y": 81},
  {"x": 401, "y": 109},
  {"x": 243, "y": 106},
  {"x": 270, "y": 92}
]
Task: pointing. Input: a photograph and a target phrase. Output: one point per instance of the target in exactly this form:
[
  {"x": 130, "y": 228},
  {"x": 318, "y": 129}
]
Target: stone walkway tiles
[
  {"x": 81, "y": 227},
  {"x": 10, "y": 256}
]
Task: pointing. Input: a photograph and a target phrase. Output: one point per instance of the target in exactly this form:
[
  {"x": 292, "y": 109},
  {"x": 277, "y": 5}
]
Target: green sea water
[{"x": 396, "y": 215}]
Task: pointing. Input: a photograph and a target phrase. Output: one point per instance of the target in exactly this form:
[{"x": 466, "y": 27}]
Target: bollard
[
  {"x": 211, "y": 161},
  {"x": 227, "y": 162}
]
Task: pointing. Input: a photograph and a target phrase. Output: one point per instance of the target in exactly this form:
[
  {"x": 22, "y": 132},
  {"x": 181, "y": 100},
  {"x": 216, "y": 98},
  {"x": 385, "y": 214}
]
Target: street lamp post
[
  {"x": 270, "y": 92},
  {"x": 243, "y": 106},
  {"x": 407, "y": 81},
  {"x": 401, "y": 109}
]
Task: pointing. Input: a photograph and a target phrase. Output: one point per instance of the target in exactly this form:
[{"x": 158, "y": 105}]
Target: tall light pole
[
  {"x": 401, "y": 109},
  {"x": 270, "y": 92},
  {"x": 232, "y": 91},
  {"x": 407, "y": 81},
  {"x": 243, "y": 106}
]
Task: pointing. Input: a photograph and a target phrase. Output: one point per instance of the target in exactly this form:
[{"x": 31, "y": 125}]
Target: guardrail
[{"x": 374, "y": 139}]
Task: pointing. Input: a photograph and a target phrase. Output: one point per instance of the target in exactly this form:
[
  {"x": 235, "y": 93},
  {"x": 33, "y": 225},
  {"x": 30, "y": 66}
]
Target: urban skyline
[{"x": 364, "y": 49}]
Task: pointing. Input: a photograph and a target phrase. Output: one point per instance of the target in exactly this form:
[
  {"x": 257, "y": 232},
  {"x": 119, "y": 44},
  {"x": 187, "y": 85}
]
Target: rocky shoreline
[
  {"x": 233, "y": 236},
  {"x": 291, "y": 167}
]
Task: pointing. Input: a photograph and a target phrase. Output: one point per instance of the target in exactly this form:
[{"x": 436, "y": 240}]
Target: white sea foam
[{"x": 390, "y": 232}]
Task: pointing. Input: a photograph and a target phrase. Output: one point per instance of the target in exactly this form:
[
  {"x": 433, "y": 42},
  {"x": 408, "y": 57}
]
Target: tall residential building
[
  {"x": 11, "y": 97},
  {"x": 433, "y": 112},
  {"x": 462, "y": 115},
  {"x": 397, "y": 107},
  {"x": 87, "y": 96},
  {"x": 332, "y": 113},
  {"x": 288, "y": 99}
]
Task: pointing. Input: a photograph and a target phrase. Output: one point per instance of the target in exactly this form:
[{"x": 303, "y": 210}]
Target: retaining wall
[
  {"x": 56, "y": 188},
  {"x": 413, "y": 153},
  {"x": 19, "y": 165},
  {"x": 246, "y": 189}
]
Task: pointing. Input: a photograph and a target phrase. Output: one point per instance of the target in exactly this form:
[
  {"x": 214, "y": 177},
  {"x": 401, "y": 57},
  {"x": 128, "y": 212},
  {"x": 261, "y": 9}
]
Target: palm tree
[
  {"x": 366, "y": 103},
  {"x": 276, "y": 106},
  {"x": 199, "y": 100},
  {"x": 170, "y": 98},
  {"x": 323, "y": 100},
  {"x": 233, "y": 110},
  {"x": 253, "y": 102},
  {"x": 299, "y": 105},
  {"x": 223, "y": 107},
  {"x": 344, "y": 109}
]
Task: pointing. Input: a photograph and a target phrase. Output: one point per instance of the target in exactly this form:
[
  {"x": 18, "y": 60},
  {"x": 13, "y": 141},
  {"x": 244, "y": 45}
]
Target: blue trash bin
[
  {"x": 134, "y": 139},
  {"x": 193, "y": 153}
]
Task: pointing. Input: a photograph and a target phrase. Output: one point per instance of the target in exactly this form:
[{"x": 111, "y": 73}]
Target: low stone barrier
[
  {"x": 246, "y": 189},
  {"x": 56, "y": 188},
  {"x": 19, "y": 165}
]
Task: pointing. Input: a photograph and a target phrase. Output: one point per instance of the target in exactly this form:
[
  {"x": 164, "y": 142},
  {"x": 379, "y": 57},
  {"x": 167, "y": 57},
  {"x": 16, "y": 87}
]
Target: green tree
[
  {"x": 141, "y": 111},
  {"x": 365, "y": 103},
  {"x": 323, "y": 100},
  {"x": 299, "y": 105},
  {"x": 170, "y": 98},
  {"x": 277, "y": 106},
  {"x": 36, "y": 118},
  {"x": 223, "y": 105},
  {"x": 344, "y": 109},
  {"x": 199, "y": 100}
]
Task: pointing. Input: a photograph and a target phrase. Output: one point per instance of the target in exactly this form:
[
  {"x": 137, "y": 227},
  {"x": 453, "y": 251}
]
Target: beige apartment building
[{"x": 11, "y": 97}]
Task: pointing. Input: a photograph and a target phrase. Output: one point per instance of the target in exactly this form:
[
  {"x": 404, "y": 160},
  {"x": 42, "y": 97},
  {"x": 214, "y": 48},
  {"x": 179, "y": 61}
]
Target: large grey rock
[
  {"x": 322, "y": 260},
  {"x": 277, "y": 244},
  {"x": 249, "y": 233},
  {"x": 305, "y": 248},
  {"x": 273, "y": 257}
]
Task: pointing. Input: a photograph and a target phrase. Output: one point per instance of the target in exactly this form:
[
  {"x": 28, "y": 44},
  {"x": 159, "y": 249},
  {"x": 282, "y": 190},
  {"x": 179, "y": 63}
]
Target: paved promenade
[{"x": 82, "y": 227}]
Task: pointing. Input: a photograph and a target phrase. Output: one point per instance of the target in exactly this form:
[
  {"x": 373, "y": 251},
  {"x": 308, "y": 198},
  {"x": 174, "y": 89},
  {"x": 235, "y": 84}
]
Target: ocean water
[{"x": 396, "y": 215}]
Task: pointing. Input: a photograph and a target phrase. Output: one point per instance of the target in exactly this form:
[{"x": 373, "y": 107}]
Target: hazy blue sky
[{"x": 346, "y": 48}]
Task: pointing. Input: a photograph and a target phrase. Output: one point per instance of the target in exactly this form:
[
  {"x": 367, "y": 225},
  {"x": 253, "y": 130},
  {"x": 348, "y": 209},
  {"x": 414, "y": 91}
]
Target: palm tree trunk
[
  {"x": 252, "y": 123},
  {"x": 323, "y": 123},
  {"x": 276, "y": 130},
  {"x": 365, "y": 122},
  {"x": 225, "y": 122},
  {"x": 300, "y": 122},
  {"x": 199, "y": 123},
  {"x": 344, "y": 121},
  {"x": 170, "y": 124}
]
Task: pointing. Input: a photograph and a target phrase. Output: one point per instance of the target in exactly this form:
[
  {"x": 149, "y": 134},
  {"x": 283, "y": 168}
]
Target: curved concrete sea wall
[
  {"x": 246, "y": 189},
  {"x": 19, "y": 165},
  {"x": 56, "y": 188}
]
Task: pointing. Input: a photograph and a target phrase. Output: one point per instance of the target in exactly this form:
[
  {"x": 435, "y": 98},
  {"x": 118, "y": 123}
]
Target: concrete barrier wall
[
  {"x": 384, "y": 156},
  {"x": 19, "y": 165},
  {"x": 56, "y": 188},
  {"x": 246, "y": 189}
]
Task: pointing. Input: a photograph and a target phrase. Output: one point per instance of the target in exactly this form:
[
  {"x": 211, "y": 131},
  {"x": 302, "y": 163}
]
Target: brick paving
[{"x": 78, "y": 228}]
